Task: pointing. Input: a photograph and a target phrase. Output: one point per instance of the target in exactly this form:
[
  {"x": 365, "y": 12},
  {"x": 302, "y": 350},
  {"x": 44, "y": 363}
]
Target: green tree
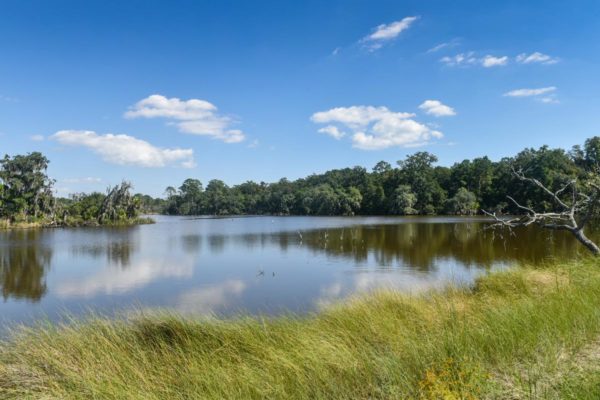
[
  {"x": 26, "y": 189},
  {"x": 463, "y": 203},
  {"x": 417, "y": 171},
  {"x": 191, "y": 197},
  {"x": 404, "y": 201}
]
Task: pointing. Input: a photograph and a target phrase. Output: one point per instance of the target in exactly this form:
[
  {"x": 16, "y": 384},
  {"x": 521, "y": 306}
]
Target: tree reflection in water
[
  {"x": 116, "y": 244},
  {"x": 23, "y": 265},
  {"x": 420, "y": 245}
]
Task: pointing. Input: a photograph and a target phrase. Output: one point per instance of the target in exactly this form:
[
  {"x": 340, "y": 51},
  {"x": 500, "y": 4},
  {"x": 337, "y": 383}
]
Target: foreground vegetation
[{"x": 523, "y": 333}]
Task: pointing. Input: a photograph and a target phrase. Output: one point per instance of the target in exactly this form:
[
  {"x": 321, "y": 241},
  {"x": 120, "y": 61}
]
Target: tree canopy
[
  {"x": 26, "y": 196},
  {"x": 417, "y": 185}
]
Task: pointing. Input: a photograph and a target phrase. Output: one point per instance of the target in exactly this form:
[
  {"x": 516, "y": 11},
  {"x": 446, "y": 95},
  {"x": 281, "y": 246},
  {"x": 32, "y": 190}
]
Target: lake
[{"x": 256, "y": 265}]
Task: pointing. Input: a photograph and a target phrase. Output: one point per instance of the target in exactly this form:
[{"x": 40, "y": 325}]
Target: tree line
[
  {"x": 414, "y": 186},
  {"x": 27, "y": 198}
]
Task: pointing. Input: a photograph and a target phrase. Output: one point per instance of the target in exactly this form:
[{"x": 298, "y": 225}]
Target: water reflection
[
  {"x": 23, "y": 267},
  {"x": 254, "y": 264},
  {"x": 115, "y": 245},
  {"x": 191, "y": 243},
  {"x": 419, "y": 246},
  {"x": 117, "y": 280},
  {"x": 208, "y": 299}
]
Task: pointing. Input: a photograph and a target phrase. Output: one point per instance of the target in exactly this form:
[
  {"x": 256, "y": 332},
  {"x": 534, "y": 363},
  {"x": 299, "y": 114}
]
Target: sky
[{"x": 159, "y": 91}]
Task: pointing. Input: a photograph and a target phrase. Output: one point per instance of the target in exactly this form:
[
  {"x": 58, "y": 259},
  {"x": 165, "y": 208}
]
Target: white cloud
[
  {"x": 438, "y": 47},
  {"x": 387, "y": 32},
  {"x": 377, "y": 127},
  {"x": 445, "y": 45},
  {"x": 549, "y": 100},
  {"x": 469, "y": 58},
  {"x": 543, "y": 95},
  {"x": 194, "y": 116},
  {"x": 332, "y": 131},
  {"x": 37, "y": 138},
  {"x": 491, "y": 61},
  {"x": 536, "y": 57},
  {"x": 460, "y": 59},
  {"x": 126, "y": 150},
  {"x": 488, "y": 61},
  {"x": 530, "y": 92},
  {"x": 437, "y": 109}
]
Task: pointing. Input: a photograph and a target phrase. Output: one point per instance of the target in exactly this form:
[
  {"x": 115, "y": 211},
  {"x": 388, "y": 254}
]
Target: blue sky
[{"x": 156, "y": 92}]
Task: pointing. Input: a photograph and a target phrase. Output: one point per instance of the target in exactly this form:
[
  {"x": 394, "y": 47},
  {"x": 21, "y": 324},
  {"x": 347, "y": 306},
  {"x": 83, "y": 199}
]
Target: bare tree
[{"x": 573, "y": 210}]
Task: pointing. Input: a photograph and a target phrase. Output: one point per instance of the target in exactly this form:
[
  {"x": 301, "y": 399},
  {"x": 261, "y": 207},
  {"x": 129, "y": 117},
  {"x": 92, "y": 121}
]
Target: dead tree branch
[{"x": 571, "y": 214}]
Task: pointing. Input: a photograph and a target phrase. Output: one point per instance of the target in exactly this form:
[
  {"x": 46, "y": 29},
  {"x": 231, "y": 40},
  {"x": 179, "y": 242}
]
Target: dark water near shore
[{"x": 252, "y": 265}]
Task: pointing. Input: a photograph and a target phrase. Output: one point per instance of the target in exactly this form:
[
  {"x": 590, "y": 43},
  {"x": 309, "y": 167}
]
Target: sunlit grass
[{"x": 511, "y": 334}]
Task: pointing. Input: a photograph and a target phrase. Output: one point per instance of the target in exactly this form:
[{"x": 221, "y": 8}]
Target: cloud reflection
[
  {"x": 406, "y": 282},
  {"x": 207, "y": 300},
  {"x": 118, "y": 281}
]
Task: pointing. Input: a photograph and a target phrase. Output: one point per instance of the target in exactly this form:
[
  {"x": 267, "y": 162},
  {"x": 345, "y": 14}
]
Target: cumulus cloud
[
  {"x": 126, "y": 150},
  {"x": 469, "y": 58},
  {"x": 491, "y": 61},
  {"x": 437, "y": 109},
  {"x": 530, "y": 92},
  {"x": 37, "y": 138},
  {"x": 536, "y": 57},
  {"x": 387, "y": 32},
  {"x": 194, "y": 116},
  {"x": 377, "y": 128},
  {"x": 332, "y": 131}
]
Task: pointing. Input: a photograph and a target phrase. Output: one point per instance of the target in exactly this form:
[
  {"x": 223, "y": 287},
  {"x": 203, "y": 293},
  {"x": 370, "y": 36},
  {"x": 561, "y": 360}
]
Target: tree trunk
[{"x": 593, "y": 247}]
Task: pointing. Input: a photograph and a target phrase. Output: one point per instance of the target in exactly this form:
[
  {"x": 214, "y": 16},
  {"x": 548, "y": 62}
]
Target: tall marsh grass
[{"x": 509, "y": 336}]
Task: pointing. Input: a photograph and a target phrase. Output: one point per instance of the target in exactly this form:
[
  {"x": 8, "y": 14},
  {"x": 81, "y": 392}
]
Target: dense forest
[
  {"x": 415, "y": 186},
  {"x": 27, "y": 198}
]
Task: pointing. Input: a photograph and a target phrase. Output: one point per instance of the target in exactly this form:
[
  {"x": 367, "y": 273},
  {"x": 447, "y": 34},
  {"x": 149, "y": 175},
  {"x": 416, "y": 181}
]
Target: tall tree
[
  {"x": 26, "y": 189},
  {"x": 417, "y": 171}
]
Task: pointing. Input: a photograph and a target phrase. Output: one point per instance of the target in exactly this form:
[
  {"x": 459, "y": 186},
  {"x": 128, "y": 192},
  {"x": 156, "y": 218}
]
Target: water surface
[{"x": 252, "y": 265}]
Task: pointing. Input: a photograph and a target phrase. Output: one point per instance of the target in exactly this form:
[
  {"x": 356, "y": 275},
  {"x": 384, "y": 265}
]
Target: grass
[
  {"x": 6, "y": 224},
  {"x": 520, "y": 334}
]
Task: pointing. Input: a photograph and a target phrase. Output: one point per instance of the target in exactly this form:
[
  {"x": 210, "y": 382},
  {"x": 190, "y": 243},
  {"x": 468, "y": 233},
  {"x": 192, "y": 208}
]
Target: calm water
[{"x": 254, "y": 264}]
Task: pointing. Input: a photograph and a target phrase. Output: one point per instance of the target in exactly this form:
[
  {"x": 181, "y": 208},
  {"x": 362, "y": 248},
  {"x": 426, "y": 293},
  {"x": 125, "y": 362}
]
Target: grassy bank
[
  {"x": 70, "y": 223},
  {"x": 525, "y": 333}
]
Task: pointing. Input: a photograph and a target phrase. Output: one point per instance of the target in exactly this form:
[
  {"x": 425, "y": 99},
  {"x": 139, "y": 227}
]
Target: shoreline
[{"x": 6, "y": 225}]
